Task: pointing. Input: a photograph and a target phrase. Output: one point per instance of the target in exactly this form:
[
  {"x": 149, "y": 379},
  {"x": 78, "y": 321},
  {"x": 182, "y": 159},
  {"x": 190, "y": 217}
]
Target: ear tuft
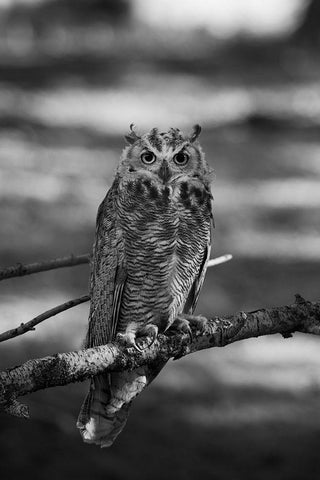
[
  {"x": 132, "y": 137},
  {"x": 195, "y": 133}
]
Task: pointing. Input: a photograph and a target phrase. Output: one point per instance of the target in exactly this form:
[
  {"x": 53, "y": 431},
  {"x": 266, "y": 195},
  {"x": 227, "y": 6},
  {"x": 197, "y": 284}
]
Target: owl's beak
[{"x": 164, "y": 172}]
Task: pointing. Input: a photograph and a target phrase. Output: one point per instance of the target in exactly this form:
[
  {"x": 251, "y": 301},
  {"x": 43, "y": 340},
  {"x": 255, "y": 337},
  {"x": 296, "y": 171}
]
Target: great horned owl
[{"x": 152, "y": 243}]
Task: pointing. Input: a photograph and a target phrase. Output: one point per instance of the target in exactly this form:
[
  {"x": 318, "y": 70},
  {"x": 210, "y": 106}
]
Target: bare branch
[
  {"x": 218, "y": 260},
  {"x": 20, "y": 270},
  {"x": 26, "y": 327},
  {"x": 64, "y": 368}
]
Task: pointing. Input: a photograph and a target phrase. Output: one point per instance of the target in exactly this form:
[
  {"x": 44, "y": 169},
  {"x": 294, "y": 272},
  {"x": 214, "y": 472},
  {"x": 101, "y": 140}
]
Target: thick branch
[
  {"x": 26, "y": 327},
  {"x": 64, "y": 368},
  {"x": 20, "y": 270}
]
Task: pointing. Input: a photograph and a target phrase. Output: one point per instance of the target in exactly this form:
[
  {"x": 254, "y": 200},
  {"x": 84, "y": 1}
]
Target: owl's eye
[
  {"x": 148, "y": 158},
  {"x": 181, "y": 158}
]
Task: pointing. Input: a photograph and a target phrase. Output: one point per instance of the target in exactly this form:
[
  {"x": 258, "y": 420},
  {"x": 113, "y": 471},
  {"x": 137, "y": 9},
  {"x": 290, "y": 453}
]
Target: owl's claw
[
  {"x": 149, "y": 332},
  {"x": 188, "y": 324},
  {"x": 181, "y": 325},
  {"x": 137, "y": 347},
  {"x": 141, "y": 340}
]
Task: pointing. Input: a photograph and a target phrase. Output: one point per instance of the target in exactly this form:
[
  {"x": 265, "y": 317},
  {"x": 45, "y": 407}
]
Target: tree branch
[
  {"x": 64, "y": 368},
  {"x": 26, "y": 327},
  {"x": 218, "y": 260},
  {"x": 20, "y": 270}
]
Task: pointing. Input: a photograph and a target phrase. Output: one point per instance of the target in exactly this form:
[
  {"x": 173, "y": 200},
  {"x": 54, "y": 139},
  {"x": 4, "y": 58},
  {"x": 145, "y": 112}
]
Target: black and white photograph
[{"x": 160, "y": 239}]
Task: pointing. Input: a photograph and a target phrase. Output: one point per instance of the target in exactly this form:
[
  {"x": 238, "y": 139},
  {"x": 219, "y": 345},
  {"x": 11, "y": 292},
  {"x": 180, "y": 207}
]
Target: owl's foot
[
  {"x": 142, "y": 339},
  {"x": 189, "y": 324},
  {"x": 180, "y": 325},
  {"x": 128, "y": 339},
  {"x": 146, "y": 336}
]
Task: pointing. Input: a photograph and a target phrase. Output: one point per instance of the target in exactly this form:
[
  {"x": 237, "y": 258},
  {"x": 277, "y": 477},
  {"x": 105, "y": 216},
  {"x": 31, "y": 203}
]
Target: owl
[{"x": 152, "y": 244}]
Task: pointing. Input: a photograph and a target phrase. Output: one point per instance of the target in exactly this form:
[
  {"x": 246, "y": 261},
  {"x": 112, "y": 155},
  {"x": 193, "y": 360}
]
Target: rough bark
[{"x": 64, "y": 368}]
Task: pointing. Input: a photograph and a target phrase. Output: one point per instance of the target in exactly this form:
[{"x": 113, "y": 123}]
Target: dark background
[{"x": 73, "y": 75}]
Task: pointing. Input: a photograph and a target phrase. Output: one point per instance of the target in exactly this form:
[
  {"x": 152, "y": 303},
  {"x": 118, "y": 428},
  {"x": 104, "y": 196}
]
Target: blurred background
[{"x": 73, "y": 75}]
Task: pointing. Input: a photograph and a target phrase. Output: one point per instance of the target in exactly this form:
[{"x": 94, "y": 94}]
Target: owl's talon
[
  {"x": 189, "y": 324},
  {"x": 137, "y": 347},
  {"x": 129, "y": 341},
  {"x": 149, "y": 332},
  {"x": 181, "y": 325},
  {"x": 197, "y": 323}
]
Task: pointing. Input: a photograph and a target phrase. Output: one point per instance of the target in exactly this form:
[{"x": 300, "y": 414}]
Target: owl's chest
[{"x": 154, "y": 215}]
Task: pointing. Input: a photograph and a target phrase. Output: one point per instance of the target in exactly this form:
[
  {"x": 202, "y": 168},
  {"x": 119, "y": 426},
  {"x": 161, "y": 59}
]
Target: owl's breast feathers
[
  {"x": 149, "y": 259},
  {"x": 167, "y": 235}
]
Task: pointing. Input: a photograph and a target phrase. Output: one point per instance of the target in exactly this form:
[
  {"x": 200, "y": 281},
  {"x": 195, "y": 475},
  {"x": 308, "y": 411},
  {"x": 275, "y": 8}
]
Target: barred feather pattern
[
  {"x": 165, "y": 242},
  {"x": 152, "y": 242}
]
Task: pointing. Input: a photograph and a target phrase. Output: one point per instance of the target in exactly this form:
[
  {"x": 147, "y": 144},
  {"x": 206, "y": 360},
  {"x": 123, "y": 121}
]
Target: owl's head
[{"x": 168, "y": 155}]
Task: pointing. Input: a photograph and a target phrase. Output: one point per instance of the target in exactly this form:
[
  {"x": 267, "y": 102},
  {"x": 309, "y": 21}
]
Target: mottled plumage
[{"x": 152, "y": 243}]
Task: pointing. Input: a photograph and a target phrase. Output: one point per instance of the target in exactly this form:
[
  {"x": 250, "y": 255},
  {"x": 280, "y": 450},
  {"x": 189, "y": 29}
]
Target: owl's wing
[
  {"x": 195, "y": 290},
  {"x": 108, "y": 274}
]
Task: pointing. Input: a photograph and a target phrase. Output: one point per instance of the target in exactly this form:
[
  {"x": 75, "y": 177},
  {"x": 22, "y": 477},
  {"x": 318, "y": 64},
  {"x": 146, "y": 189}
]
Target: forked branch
[{"x": 64, "y": 368}]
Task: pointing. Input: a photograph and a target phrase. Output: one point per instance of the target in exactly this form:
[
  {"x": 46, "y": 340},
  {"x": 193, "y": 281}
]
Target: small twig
[
  {"x": 26, "y": 327},
  {"x": 20, "y": 270},
  {"x": 217, "y": 261}
]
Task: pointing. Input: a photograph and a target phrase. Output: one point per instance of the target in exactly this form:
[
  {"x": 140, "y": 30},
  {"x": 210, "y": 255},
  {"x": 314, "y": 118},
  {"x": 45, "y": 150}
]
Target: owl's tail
[{"x": 105, "y": 409}]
